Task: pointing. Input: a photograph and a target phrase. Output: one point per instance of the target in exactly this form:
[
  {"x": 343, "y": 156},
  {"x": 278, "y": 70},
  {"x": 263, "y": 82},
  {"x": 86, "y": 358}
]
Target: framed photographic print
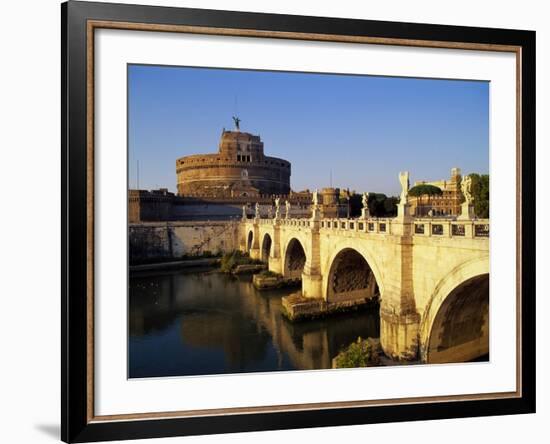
[{"x": 275, "y": 221}]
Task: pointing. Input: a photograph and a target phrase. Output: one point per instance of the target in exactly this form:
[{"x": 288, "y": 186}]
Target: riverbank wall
[{"x": 151, "y": 242}]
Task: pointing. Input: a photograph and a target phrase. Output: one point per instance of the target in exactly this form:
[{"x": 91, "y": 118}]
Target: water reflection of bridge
[
  {"x": 213, "y": 318},
  {"x": 432, "y": 275}
]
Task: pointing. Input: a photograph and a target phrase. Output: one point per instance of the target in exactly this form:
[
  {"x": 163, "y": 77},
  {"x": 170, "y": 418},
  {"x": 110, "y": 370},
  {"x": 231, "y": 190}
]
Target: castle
[
  {"x": 239, "y": 169},
  {"x": 218, "y": 185}
]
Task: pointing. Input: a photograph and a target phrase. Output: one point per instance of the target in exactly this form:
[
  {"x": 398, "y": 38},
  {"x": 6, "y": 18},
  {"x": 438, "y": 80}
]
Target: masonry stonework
[
  {"x": 164, "y": 241},
  {"x": 417, "y": 276}
]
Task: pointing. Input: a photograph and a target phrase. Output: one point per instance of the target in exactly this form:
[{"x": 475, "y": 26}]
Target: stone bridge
[{"x": 431, "y": 275}]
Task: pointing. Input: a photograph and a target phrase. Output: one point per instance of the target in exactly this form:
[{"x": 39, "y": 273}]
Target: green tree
[
  {"x": 355, "y": 205},
  {"x": 390, "y": 206},
  {"x": 425, "y": 190},
  {"x": 379, "y": 204},
  {"x": 480, "y": 193}
]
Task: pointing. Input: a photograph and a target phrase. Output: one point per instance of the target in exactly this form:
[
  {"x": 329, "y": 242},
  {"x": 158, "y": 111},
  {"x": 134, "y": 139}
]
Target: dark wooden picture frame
[{"x": 79, "y": 20}]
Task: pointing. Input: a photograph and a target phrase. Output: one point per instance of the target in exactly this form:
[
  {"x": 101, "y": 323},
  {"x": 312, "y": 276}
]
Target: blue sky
[{"x": 361, "y": 129}]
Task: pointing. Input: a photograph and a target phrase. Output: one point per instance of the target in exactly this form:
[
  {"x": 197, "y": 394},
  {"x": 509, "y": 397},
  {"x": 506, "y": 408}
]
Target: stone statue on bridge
[
  {"x": 316, "y": 211},
  {"x": 316, "y": 198},
  {"x": 466, "y": 188},
  {"x": 257, "y": 211},
  {"x": 365, "y": 199},
  {"x": 277, "y": 208},
  {"x": 287, "y": 207},
  {"x": 404, "y": 180},
  {"x": 403, "y": 207},
  {"x": 365, "y": 214},
  {"x": 244, "y": 212},
  {"x": 467, "y": 208}
]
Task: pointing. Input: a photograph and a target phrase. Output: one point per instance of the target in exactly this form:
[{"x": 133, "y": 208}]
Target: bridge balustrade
[
  {"x": 481, "y": 230},
  {"x": 376, "y": 226},
  {"x": 451, "y": 228},
  {"x": 458, "y": 230},
  {"x": 422, "y": 227},
  {"x": 437, "y": 229}
]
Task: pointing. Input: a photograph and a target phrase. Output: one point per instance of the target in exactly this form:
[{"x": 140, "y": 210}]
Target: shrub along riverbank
[
  {"x": 362, "y": 353},
  {"x": 230, "y": 261}
]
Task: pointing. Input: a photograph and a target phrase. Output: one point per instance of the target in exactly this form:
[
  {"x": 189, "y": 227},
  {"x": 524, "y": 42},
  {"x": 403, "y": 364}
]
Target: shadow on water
[{"x": 198, "y": 323}]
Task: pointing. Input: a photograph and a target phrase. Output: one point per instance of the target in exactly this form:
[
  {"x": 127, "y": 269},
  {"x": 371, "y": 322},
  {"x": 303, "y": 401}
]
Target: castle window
[{"x": 238, "y": 157}]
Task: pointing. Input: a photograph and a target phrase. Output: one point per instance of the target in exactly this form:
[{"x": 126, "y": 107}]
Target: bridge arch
[
  {"x": 266, "y": 248},
  {"x": 364, "y": 251},
  {"x": 294, "y": 259},
  {"x": 455, "y": 324},
  {"x": 249, "y": 241},
  {"x": 350, "y": 277}
]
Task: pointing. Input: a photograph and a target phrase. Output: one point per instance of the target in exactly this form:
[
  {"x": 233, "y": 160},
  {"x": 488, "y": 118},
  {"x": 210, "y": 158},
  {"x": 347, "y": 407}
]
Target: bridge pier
[
  {"x": 255, "y": 251},
  {"x": 312, "y": 279},
  {"x": 399, "y": 319},
  {"x": 275, "y": 265},
  {"x": 275, "y": 262},
  {"x": 399, "y": 334},
  {"x": 312, "y": 285}
]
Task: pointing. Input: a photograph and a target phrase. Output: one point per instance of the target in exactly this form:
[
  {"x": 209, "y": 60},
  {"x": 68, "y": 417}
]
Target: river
[{"x": 202, "y": 322}]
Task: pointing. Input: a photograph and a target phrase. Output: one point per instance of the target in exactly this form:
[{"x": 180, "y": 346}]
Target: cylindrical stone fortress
[{"x": 239, "y": 169}]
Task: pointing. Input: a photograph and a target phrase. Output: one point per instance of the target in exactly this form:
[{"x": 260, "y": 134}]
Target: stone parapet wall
[
  {"x": 150, "y": 206},
  {"x": 164, "y": 241}
]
